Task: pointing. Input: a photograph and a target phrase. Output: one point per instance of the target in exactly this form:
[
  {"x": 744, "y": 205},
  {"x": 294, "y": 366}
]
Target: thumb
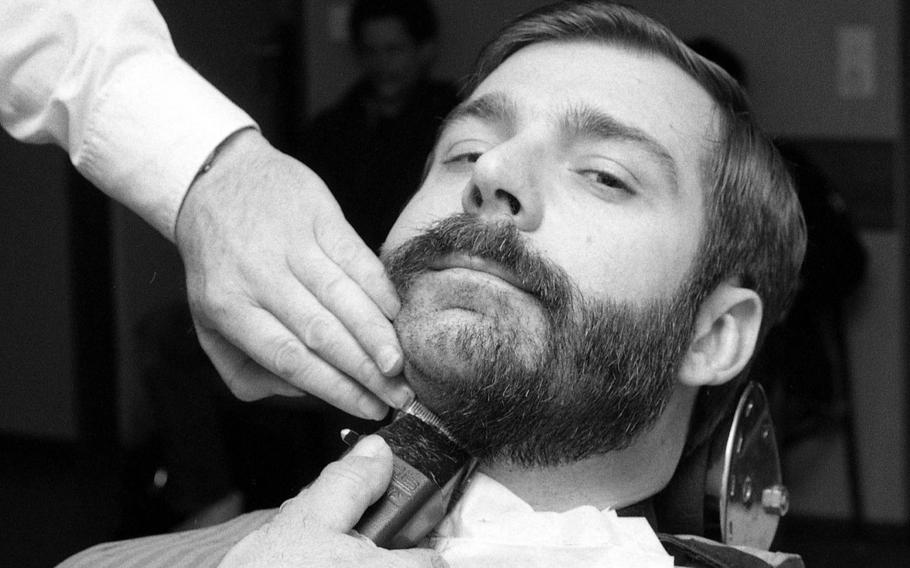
[{"x": 345, "y": 488}]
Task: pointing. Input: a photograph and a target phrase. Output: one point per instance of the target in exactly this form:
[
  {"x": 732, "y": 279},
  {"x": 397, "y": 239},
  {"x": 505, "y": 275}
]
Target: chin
[
  {"x": 444, "y": 351},
  {"x": 429, "y": 389},
  {"x": 434, "y": 360},
  {"x": 453, "y": 324}
]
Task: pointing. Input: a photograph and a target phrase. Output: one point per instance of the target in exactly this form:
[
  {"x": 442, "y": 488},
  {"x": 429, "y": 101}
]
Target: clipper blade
[{"x": 424, "y": 414}]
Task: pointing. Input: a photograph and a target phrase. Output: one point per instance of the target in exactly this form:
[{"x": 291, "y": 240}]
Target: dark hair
[
  {"x": 754, "y": 227},
  {"x": 418, "y": 18},
  {"x": 713, "y": 50}
]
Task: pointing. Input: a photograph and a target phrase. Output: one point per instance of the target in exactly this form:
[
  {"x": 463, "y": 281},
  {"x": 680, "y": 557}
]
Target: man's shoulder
[
  {"x": 191, "y": 549},
  {"x": 698, "y": 552}
]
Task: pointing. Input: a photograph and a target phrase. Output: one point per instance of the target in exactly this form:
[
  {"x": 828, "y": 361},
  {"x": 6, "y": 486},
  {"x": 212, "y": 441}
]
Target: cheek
[
  {"x": 626, "y": 258},
  {"x": 432, "y": 202},
  {"x": 656, "y": 264}
]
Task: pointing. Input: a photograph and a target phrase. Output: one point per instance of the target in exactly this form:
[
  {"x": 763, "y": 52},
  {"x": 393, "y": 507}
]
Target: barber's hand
[
  {"x": 286, "y": 298},
  {"x": 311, "y": 530}
]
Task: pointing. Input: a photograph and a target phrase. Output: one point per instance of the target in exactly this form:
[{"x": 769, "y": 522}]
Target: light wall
[{"x": 789, "y": 48}]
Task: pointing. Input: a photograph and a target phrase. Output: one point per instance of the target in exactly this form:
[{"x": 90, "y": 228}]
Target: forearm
[{"x": 102, "y": 79}]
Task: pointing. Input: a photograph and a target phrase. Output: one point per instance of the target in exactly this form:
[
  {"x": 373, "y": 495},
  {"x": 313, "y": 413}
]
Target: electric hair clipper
[{"x": 429, "y": 467}]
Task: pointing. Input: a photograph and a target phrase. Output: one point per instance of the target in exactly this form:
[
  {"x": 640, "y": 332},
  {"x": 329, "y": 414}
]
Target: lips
[{"x": 479, "y": 265}]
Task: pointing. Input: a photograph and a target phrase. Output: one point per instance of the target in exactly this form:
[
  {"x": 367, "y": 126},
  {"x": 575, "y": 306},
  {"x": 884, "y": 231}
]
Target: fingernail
[
  {"x": 390, "y": 304},
  {"x": 402, "y": 397},
  {"x": 390, "y": 360},
  {"x": 368, "y": 447}
]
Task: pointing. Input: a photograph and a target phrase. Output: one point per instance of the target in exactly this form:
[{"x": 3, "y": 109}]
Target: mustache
[{"x": 500, "y": 243}]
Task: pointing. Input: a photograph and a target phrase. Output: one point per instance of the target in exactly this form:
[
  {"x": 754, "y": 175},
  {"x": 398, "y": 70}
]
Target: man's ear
[{"x": 724, "y": 336}]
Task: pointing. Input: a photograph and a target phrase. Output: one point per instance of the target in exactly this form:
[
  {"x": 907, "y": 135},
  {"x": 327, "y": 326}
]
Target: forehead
[{"x": 646, "y": 92}]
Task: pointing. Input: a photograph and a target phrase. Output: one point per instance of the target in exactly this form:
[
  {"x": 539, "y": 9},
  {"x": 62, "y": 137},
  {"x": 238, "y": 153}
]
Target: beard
[{"x": 589, "y": 380}]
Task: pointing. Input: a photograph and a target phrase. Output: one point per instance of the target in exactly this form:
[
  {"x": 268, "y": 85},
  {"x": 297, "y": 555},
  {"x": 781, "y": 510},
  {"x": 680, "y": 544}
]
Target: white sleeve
[{"x": 102, "y": 79}]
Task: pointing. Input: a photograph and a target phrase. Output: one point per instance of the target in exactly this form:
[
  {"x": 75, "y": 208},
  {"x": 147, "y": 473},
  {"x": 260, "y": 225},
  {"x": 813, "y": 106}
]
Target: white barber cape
[{"x": 491, "y": 526}]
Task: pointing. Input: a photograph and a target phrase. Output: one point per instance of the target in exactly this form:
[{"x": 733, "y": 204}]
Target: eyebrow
[
  {"x": 584, "y": 121},
  {"x": 497, "y": 108},
  {"x": 578, "y": 121}
]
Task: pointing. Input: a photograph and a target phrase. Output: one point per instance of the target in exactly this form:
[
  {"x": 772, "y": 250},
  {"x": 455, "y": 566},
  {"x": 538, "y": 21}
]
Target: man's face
[{"x": 576, "y": 168}]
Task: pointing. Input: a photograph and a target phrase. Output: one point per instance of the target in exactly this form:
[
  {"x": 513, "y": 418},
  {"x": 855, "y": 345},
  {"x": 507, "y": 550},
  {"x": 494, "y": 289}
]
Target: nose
[{"x": 504, "y": 187}]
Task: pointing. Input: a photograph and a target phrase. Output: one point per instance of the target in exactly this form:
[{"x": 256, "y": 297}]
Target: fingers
[
  {"x": 339, "y": 496},
  {"x": 313, "y": 529},
  {"x": 268, "y": 351},
  {"x": 282, "y": 287},
  {"x": 351, "y": 283},
  {"x": 345, "y": 248},
  {"x": 346, "y": 329},
  {"x": 242, "y": 360},
  {"x": 246, "y": 378},
  {"x": 323, "y": 333}
]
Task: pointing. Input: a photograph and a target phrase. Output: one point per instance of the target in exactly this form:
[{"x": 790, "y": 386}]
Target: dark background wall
[{"x": 37, "y": 386}]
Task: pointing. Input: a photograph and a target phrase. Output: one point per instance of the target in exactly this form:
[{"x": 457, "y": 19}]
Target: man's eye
[
  {"x": 463, "y": 157},
  {"x": 607, "y": 179}
]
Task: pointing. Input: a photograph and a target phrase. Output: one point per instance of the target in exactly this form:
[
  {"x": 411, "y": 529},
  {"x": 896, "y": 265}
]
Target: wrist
[
  {"x": 214, "y": 170},
  {"x": 246, "y": 133}
]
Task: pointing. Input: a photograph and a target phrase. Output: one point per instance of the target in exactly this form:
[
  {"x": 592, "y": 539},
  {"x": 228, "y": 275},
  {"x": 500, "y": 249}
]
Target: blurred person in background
[{"x": 371, "y": 146}]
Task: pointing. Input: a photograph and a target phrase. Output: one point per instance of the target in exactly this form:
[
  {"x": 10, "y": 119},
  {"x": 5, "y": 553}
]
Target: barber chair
[{"x": 730, "y": 489}]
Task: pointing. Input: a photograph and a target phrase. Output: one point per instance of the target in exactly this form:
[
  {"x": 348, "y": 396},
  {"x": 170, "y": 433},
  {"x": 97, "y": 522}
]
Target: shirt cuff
[{"x": 153, "y": 126}]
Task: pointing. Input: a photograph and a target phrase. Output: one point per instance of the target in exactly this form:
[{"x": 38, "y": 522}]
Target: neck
[{"x": 612, "y": 480}]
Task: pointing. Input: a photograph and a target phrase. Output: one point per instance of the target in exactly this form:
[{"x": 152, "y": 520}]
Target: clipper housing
[{"x": 428, "y": 468}]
